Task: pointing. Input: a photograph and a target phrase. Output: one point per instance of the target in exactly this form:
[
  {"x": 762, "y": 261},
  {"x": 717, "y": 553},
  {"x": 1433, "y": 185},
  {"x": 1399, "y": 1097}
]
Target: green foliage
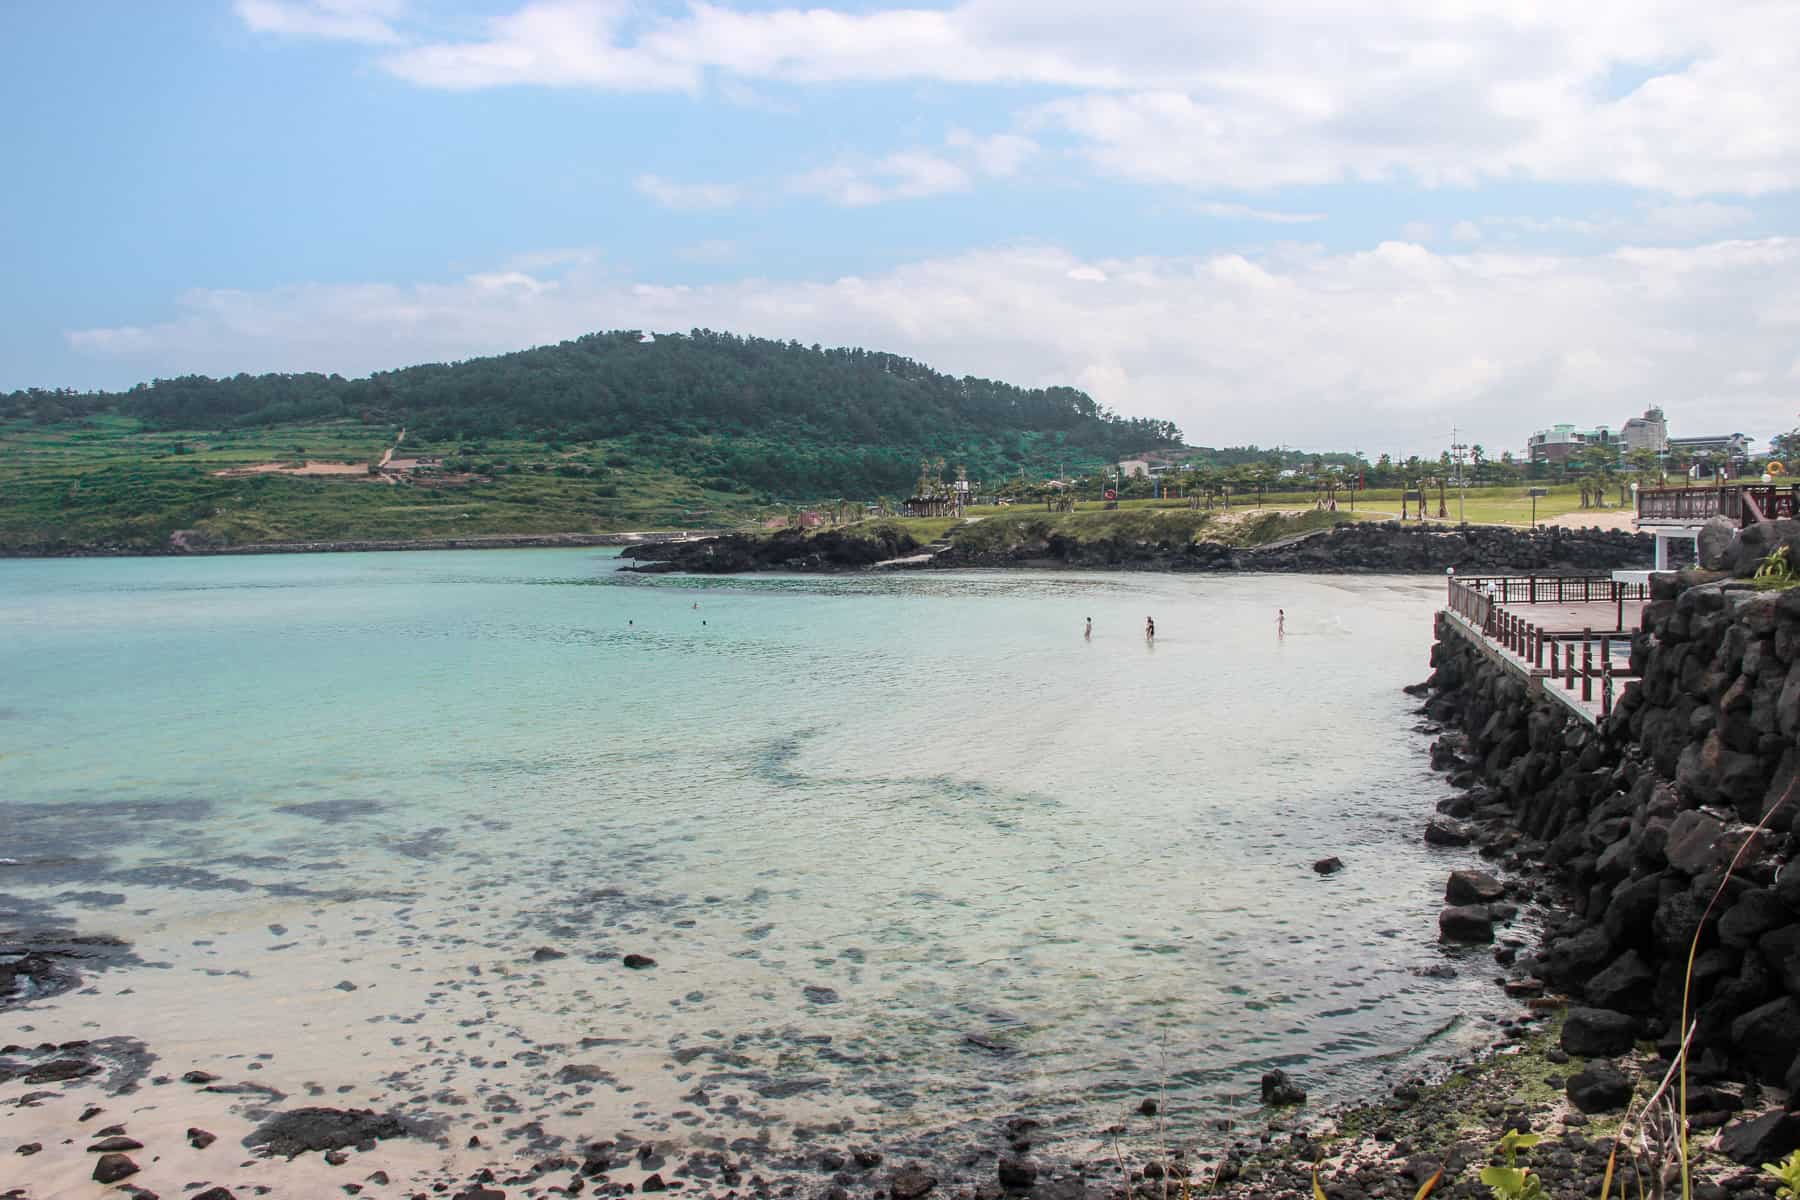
[
  {"x": 1776, "y": 571},
  {"x": 1787, "y": 1176},
  {"x": 760, "y": 413},
  {"x": 1513, "y": 1182}
]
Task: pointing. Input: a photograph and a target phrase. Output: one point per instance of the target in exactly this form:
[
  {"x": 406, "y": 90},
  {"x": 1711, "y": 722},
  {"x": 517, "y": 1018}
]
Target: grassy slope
[
  {"x": 111, "y": 482},
  {"x": 1011, "y": 528}
]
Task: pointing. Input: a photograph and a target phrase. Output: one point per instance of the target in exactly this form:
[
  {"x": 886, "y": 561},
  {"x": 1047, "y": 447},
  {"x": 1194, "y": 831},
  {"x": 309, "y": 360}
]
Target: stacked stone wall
[{"x": 1636, "y": 823}]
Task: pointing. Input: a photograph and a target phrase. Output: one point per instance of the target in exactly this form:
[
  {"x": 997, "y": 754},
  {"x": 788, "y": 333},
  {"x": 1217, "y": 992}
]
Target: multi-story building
[
  {"x": 1560, "y": 443},
  {"x": 1734, "y": 446},
  {"x": 1648, "y": 432}
]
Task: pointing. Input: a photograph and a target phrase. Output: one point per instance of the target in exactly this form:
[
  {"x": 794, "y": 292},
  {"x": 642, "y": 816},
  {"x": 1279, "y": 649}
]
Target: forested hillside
[
  {"x": 610, "y": 431},
  {"x": 843, "y": 421}
]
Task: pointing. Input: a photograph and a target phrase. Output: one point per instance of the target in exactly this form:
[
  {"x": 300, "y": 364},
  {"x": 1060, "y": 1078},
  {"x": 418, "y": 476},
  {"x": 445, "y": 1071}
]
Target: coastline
[
  {"x": 495, "y": 541},
  {"x": 1384, "y": 1146}
]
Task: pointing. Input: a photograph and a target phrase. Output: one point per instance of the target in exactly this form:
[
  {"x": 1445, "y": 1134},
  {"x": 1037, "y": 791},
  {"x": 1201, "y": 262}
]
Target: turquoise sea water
[{"x": 855, "y": 820}]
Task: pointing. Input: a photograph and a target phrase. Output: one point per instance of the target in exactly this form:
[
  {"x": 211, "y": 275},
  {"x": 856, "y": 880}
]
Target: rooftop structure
[
  {"x": 1733, "y": 446},
  {"x": 1560, "y": 443}
]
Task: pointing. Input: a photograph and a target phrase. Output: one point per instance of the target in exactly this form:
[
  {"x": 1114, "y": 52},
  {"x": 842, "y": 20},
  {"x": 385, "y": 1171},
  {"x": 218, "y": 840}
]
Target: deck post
[
  {"x": 1587, "y": 664},
  {"x": 1533, "y": 579},
  {"x": 1555, "y": 666}
]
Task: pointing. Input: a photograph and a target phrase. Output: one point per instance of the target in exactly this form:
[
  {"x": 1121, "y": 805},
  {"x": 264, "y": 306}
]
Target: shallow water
[{"x": 855, "y": 820}]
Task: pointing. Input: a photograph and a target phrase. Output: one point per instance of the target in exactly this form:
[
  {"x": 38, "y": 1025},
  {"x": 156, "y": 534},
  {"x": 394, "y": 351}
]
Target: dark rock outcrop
[
  {"x": 786, "y": 550},
  {"x": 302, "y": 1129},
  {"x": 1601, "y": 1087},
  {"x": 1472, "y": 887},
  {"x": 1367, "y": 546}
]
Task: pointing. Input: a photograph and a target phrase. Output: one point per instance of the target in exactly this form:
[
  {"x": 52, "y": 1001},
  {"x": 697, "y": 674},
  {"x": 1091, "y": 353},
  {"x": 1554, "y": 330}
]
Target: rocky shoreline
[{"x": 1359, "y": 547}]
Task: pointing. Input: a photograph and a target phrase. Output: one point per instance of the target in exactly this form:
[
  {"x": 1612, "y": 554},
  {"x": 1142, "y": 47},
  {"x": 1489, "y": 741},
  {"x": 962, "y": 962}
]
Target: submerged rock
[
  {"x": 910, "y": 1183},
  {"x": 1278, "y": 1089},
  {"x": 1017, "y": 1174},
  {"x": 1447, "y": 831},
  {"x": 1466, "y": 923},
  {"x": 113, "y": 1167},
  {"x": 303, "y": 1129}
]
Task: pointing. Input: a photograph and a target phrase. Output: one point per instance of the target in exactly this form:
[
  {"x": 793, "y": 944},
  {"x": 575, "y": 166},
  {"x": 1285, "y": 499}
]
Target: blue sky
[{"x": 1271, "y": 222}]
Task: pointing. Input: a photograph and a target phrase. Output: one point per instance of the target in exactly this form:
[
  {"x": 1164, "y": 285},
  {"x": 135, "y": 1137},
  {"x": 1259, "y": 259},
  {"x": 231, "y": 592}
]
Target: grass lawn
[{"x": 1509, "y": 505}]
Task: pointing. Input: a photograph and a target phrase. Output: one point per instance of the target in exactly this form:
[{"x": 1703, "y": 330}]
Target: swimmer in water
[
  {"x": 1280, "y": 624},
  {"x": 1149, "y": 629},
  {"x": 1088, "y": 633}
]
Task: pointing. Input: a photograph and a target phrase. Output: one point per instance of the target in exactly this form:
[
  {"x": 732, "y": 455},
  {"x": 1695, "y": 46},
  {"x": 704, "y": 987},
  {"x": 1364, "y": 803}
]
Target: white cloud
[
  {"x": 1465, "y": 231},
  {"x": 1697, "y": 218},
  {"x": 1227, "y": 94},
  {"x": 906, "y": 175},
  {"x": 348, "y": 20},
  {"x": 1380, "y": 349},
  {"x": 688, "y": 197},
  {"x": 1000, "y": 154},
  {"x": 555, "y": 45}
]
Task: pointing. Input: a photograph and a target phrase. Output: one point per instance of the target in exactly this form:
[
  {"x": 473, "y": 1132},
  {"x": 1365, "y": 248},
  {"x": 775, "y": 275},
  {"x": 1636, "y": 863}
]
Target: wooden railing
[
  {"x": 1552, "y": 653},
  {"x": 1550, "y": 589},
  {"x": 1744, "y": 503},
  {"x": 1479, "y": 599}
]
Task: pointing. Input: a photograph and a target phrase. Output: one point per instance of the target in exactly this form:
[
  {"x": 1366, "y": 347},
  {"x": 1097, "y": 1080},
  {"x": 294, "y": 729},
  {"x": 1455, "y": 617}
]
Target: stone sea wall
[
  {"x": 1361, "y": 547},
  {"x": 1373, "y": 547},
  {"x": 1634, "y": 825}
]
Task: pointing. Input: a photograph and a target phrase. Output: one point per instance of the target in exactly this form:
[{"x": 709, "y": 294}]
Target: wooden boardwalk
[
  {"x": 1573, "y": 618},
  {"x": 1568, "y": 638}
]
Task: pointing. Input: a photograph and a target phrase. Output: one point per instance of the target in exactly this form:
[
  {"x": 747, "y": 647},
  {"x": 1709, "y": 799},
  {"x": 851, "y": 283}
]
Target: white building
[{"x": 1648, "y": 432}]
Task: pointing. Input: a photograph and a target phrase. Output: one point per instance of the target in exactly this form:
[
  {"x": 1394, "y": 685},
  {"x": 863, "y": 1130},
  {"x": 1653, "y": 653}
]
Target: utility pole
[{"x": 1457, "y": 449}]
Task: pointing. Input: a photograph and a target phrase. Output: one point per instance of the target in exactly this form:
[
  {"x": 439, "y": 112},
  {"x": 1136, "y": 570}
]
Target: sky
[{"x": 1332, "y": 225}]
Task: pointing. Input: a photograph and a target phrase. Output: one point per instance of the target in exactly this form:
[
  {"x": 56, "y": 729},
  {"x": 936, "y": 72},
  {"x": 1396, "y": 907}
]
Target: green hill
[{"x": 609, "y": 431}]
